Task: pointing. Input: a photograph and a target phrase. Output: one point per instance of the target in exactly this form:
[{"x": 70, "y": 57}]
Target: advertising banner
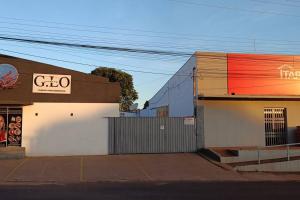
[
  {"x": 14, "y": 130},
  {"x": 250, "y": 74}
]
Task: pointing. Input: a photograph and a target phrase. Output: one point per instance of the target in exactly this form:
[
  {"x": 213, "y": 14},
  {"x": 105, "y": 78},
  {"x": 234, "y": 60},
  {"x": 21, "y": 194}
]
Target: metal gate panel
[
  {"x": 150, "y": 135},
  {"x": 179, "y": 137},
  {"x": 275, "y": 126}
]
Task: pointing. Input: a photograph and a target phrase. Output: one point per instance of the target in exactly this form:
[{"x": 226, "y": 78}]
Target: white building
[
  {"x": 176, "y": 97},
  {"x": 238, "y": 99},
  {"x": 53, "y": 111}
]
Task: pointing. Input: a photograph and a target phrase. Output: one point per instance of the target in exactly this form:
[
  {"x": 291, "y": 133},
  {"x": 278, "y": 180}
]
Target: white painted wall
[
  {"x": 55, "y": 133},
  {"x": 177, "y": 93}
]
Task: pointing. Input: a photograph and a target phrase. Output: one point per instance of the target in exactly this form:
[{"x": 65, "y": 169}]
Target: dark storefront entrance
[
  {"x": 10, "y": 126},
  {"x": 275, "y": 126}
]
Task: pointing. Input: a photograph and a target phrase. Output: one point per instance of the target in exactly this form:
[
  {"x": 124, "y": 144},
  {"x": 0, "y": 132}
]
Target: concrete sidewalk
[{"x": 152, "y": 167}]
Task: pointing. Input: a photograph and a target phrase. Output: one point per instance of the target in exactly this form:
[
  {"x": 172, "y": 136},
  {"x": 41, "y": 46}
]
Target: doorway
[
  {"x": 10, "y": 126},
  {"x": 275, "y": 126}
]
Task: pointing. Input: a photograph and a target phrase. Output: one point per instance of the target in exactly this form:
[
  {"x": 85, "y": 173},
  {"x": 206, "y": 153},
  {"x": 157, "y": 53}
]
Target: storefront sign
[
  {"x": 288, "y": 72},
  {"x": 263, "y": 74},
  {"x": 8, "y": 76},
  {"x": 51, "y": 83}
]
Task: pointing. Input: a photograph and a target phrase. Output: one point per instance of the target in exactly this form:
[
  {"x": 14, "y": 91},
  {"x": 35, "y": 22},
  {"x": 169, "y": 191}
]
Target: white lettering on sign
[
  {"x": 51, "y": 83},
  {"x": 288, "y": 72}
]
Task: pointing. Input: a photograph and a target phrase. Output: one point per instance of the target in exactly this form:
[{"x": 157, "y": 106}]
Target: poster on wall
[
  {"x": 14, "y": 136},
  {"x": 250, "y": 74}
]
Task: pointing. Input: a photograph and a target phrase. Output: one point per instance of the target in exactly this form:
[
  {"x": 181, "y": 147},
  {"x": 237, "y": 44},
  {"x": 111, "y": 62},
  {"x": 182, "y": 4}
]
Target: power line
[
  {"x": 168, "y": 89},
  {"x": 169, "y": 34},
  {"x": 208, "y": 72},
  {"x": 215, "y": 72},
  {"x": 177, "y": 47},
  {"x": 136, "y": 50},
  {"x": 276, "y": 3},
  {"x": 88, "y": 58},
  {"x": 235, "y": 8},
  {"x": 254, "y": 86},
  {"x": 105, "y": 32},
  {"x": 249, "y": 57},
  {"x": 90, "y": 65},
  {"x": 187, "y": 76},
  {"x": 96, "y": 52},
  {"x": 109, "y": 48},
  {"x": 72, "y": 36}
]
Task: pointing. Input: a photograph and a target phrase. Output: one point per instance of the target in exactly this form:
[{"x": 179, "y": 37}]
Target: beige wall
[
  {"x": 241, "y": 123},
  {"x": 54, "y": 132},
  {"x": 212, "y": 73}
]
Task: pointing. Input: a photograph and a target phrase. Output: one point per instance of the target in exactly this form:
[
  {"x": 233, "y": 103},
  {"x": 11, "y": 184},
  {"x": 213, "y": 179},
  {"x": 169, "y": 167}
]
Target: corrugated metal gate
[{"x": 151, "y": 135}]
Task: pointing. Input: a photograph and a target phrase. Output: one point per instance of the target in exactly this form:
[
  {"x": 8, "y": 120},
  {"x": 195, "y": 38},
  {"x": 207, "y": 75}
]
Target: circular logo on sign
[{"x": 8, "y": 76}]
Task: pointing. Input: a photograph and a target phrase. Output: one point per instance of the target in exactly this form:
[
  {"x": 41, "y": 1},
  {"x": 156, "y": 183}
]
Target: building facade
[
  {"x": 53, "y": 111},
  {"x": 239, "y": 99}
]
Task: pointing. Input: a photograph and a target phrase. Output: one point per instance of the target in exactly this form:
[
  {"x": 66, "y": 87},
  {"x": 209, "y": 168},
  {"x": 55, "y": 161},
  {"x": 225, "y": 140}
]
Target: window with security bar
[{"x": 275, "y": 126}]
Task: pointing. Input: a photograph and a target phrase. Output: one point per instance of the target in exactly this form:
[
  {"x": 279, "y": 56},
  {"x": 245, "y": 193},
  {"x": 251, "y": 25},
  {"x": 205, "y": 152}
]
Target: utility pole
[{"x": 195, "y": 81}]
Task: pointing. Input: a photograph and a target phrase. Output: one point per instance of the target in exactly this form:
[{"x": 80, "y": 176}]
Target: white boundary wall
[
  {"x": 54, "y": 132},
  {"x": 177, "y": 93}
]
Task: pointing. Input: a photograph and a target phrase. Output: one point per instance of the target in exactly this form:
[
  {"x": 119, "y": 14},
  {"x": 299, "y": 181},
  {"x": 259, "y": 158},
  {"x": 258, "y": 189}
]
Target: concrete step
[
  {"x": 284, "y": 159},
  {"x": 271, "y": 165},
  {"x": 12, "y": 152},
  {"x": 239, "y": 155}
]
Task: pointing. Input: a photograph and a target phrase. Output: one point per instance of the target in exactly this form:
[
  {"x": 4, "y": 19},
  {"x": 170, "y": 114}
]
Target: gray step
[
  {"x": 237, "y": 155},
  {"x": 12, "y": 152},
  {"x": 273, "y": 165}
]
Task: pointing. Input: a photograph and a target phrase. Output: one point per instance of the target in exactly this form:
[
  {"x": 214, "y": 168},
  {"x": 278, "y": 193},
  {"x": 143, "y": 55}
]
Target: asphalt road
[{"x": 156, "y": 190}]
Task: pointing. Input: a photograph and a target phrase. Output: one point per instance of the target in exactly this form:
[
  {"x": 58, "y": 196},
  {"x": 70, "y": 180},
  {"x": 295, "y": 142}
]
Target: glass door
[
  {"x": 10, "y": 126},
  {"x": 3, "y": 127}
]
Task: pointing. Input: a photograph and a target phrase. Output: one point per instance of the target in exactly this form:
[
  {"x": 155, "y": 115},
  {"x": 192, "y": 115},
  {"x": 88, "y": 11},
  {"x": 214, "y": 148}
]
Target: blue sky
[{"x": 250, "y": 26}]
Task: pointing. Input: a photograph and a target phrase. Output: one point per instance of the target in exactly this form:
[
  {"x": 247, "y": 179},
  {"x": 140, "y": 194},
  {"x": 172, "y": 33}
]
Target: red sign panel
[{"x": 250, "y": 74}]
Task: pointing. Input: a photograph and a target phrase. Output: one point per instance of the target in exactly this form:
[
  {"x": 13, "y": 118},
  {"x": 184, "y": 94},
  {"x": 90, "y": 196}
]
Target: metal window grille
[{"x": 275, "y": 126}]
